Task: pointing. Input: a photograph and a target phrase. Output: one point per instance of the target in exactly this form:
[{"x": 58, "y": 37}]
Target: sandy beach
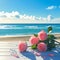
[
  {"x": 11, "y": 42},
  {"x": 21, "y": 38},
  {"x": 11, "y": 39}
]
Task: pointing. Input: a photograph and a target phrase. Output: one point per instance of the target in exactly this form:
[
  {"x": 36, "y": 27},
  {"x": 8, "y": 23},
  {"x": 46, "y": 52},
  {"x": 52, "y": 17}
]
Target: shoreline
[
  {"x": 13, "y": 38},
  {"x": 6, "y": 36}
]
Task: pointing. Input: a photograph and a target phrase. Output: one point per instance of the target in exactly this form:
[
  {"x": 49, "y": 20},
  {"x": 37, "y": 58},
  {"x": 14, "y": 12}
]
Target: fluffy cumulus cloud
[
  {"x": 8, "y": 15},
  {"x": 16, "y": 17},
  {"x": 50, "y": 7},
  {"x": 50, "y": 17},
  {"x": 15, "y": 14}
]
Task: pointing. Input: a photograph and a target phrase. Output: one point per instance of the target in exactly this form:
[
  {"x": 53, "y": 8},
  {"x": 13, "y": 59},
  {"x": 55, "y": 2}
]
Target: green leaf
[
  {"x": 36, "y": 35},
  {"x": 34, "y": 46},
  {"x": 51, "y": 37},
  {"x": 49, "y": 29}
]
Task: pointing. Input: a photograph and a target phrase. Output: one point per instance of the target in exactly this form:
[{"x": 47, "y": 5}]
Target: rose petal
[
  {"x": 42, "y": 35},
  {"x": 42, "y": 47},
  {"x": 34, "y": 40}
]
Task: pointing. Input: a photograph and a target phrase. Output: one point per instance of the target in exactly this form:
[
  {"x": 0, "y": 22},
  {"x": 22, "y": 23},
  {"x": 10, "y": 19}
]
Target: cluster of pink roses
[{"x": 41, "y": 46}]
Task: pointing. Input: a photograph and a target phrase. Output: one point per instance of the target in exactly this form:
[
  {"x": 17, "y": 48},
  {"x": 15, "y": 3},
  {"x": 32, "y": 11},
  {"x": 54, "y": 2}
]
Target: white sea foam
[
  {"x": 24, "y": 29},
  {"x": 20, "y": 27},
  {"x": 9, "y": 27},
  {"x": 34, "y": 27},
  {"x": 3, "y": 36},
  {"x": 3, "y": 26}
]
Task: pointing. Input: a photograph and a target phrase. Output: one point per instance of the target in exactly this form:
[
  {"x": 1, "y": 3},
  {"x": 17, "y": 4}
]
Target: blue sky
[{"x": 38, "y": 8}]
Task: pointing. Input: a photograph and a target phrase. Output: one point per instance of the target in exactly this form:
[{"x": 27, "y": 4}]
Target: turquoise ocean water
[{"x": 26, "y": 29}]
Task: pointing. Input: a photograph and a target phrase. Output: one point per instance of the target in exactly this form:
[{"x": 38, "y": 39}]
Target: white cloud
[
  {"x": 55, "y": 20},
  {"x": 25, "y": 17},
  {"x": 8, "y": 15},
  {"x": 16, "y": 17},
  {"x": 49, "y": 17},
  {"x": 50, "y": 7}
]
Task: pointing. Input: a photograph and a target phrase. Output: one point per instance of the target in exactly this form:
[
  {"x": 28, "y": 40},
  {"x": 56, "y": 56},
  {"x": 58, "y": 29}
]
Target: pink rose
[
  {"x": 34, "y": 40},
  {"x": 42, "y": 35},
  {"x": 22, "y": 46},
  {"x": 42, "y": 47}
]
